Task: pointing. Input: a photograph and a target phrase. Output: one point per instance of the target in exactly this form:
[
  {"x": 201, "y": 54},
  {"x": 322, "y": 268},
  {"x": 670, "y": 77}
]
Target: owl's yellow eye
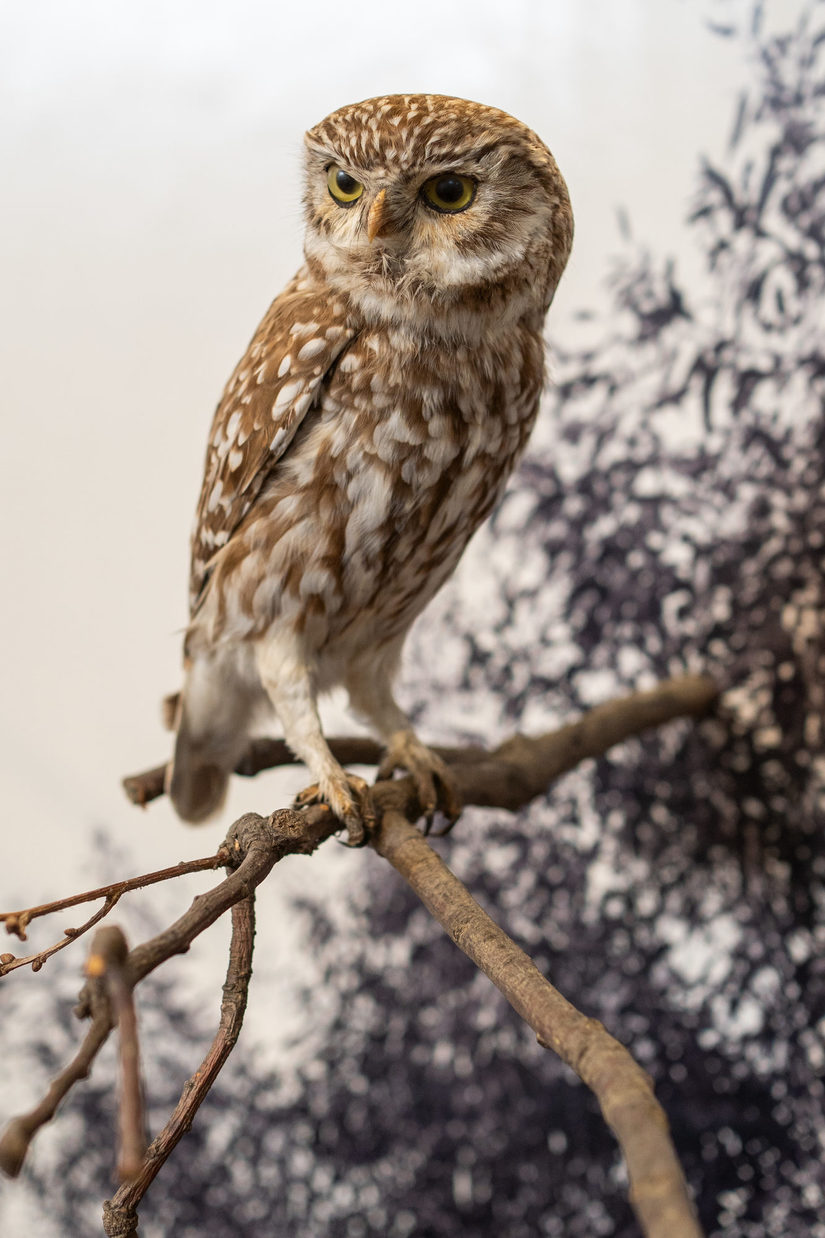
[
  {"x": 449, "y": 192},
  {"x": 345, "y": 189}
]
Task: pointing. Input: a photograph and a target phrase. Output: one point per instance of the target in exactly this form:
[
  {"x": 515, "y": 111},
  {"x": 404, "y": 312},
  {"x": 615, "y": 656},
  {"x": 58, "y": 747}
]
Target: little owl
[{"x": 369, "y": 429}]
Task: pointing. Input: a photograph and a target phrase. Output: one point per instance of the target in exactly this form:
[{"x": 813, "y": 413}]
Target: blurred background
[{"x": 150, "y": 181}]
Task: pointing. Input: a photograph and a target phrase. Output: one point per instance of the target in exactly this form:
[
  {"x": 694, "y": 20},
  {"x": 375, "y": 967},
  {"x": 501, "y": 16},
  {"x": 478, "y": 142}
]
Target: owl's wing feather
[{"x": 274, "y": 385}]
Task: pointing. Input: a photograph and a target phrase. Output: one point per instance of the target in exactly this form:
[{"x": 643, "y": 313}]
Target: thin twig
[
  {"x": 17, "y": 922},
  {"x": 11, "y": 962},
  {"x": 16, "y": 1138},
  {"x": 120, "y": 1212},
  {"x": 107, "y": 960},
  {"x": 625, "y": 1093},
  {"x": 256, "y": 844}
]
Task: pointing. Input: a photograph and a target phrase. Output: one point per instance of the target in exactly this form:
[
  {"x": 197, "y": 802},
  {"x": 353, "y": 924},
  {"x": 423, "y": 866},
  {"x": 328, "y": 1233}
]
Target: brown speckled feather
[{"x": 277, "y": 381}]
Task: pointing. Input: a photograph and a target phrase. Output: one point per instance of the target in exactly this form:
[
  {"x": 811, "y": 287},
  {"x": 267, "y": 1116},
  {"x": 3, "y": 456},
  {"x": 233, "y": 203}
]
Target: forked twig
[
  {"x": 17, "y": 922},
  {"x": 255, "y": 844},
  {"x": 120, "y": 1213},
  {"x": 508, "y": 777}
]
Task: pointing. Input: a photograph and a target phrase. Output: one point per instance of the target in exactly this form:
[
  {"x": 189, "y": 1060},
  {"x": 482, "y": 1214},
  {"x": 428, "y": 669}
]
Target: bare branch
[
  {"x": 15, "y": 1140},
  {"x": 107, "y": 960},
  {"x": 522, "y": 767},
  {"x": 509, "y": 777},
  {"x": 545, "y": 757},
  {"x": 625, "y": 1093},
  {"x": 17, "y": 922},
  {"x": 265, "y": 753},
  {"x": 256, "y": 844},
  {"x": 120, "y": 1213}
]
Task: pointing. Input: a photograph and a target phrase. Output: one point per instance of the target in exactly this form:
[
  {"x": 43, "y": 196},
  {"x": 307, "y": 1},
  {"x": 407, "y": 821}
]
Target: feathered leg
[
  {"x": 288, "y": 681},
  {"x": 370, "y": 691}
]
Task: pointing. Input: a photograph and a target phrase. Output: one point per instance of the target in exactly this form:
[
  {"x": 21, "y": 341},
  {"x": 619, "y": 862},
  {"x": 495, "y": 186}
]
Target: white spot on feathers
[
  {"x": 311, "y": 349},
  {"x": 286, "y": 396},
  {"x": 215, "y": 496}
]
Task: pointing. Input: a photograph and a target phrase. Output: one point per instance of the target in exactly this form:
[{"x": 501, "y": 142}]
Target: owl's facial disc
[{"x": 425, "y": 208}]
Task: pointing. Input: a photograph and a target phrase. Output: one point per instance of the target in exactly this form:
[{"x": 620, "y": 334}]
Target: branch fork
[{"x": 508, "y": 778}]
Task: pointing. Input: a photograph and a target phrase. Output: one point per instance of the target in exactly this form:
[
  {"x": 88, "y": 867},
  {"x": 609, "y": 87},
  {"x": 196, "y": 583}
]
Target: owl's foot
[
  {"x": 349, "y": 799},
  {"x": 435, "y": 782}
]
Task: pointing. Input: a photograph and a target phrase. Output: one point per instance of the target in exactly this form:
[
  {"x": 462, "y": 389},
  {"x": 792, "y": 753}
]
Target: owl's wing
[{"x": 276, "y": 382}]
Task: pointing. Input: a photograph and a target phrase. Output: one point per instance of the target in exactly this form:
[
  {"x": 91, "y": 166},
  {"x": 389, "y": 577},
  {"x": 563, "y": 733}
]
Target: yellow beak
[{"x": 377, "y": 222}]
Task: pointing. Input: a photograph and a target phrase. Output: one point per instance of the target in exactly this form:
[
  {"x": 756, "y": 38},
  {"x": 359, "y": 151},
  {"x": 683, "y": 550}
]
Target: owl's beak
[{"x": 378, "y": 223}]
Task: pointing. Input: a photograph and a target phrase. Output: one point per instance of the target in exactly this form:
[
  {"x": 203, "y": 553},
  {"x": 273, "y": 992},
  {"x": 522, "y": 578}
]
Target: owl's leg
[
  {"x": 371, "y": 697},
  {"x": 289, "y": 685},
  {"x": 212, "y": 716}
]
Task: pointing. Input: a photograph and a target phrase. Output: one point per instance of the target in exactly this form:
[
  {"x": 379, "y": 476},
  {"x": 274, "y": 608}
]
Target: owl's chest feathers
[
  {"x": 408, "y": 397},
  {"x": 370, "y": 509}
]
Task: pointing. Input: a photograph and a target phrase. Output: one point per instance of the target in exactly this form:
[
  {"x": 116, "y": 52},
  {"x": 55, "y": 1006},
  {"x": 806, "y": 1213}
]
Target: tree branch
[
  {"x": 508, "y": 777},
  {"x": 518, "y": 769},
  {"x": 624, "y": 1091},
  {"x": 120, "y": 1213},
  {"x": 17, "y": 922},
  {"x": 254, "y": 844},
  {"x": 16, "y": 1138},
  {"x": 106, "y": 960}
]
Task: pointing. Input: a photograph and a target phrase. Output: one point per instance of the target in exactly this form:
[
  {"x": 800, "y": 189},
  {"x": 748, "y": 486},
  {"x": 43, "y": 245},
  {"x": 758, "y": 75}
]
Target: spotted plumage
[{"x": 369, "y": 429}]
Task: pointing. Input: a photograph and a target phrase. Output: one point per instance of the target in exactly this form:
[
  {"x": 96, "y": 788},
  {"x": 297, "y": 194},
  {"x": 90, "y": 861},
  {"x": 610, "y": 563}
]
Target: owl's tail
[{"x": 212, "y": 715}]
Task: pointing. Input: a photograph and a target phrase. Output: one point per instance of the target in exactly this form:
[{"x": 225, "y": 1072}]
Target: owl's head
[{"x": 433, "y": 211}]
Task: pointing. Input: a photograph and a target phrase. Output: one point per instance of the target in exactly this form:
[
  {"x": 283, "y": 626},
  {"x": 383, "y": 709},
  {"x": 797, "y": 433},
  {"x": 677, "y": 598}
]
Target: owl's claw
[
  {"x": 350, "y": 800},
  {"x": 435, "y": 782}
]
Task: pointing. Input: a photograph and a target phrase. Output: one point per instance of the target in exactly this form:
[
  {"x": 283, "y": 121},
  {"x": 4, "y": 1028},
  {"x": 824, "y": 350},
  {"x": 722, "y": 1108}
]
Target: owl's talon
[
  {"x": 435, "y": 784},
  {"x": 350, "y": 802},
  {"x": 309, "y": 795}
]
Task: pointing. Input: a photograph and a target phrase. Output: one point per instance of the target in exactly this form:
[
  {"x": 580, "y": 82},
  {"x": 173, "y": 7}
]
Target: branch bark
[
  {"x": 518, "y": 769},
  {"x": 120, "y": 1213},
  {"x": 17, "y": 922},
  {"x": 624, "y": 1091},
  {"x": 509, "y": 777}
]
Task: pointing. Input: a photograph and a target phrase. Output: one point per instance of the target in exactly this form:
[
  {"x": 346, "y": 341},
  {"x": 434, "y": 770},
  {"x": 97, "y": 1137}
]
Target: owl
[{"x": 368, "y": 430}]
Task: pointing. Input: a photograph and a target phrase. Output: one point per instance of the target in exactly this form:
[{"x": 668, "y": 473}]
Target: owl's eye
[
  {"x": 345, "y": 189},
  {"x": 449, "y": 193}
]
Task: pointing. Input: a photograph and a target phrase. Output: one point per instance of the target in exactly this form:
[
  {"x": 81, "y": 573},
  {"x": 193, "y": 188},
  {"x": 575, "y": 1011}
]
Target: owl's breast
[
  {"x": 420, "y": 406},
  {"x": 367, "y": 514}
]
